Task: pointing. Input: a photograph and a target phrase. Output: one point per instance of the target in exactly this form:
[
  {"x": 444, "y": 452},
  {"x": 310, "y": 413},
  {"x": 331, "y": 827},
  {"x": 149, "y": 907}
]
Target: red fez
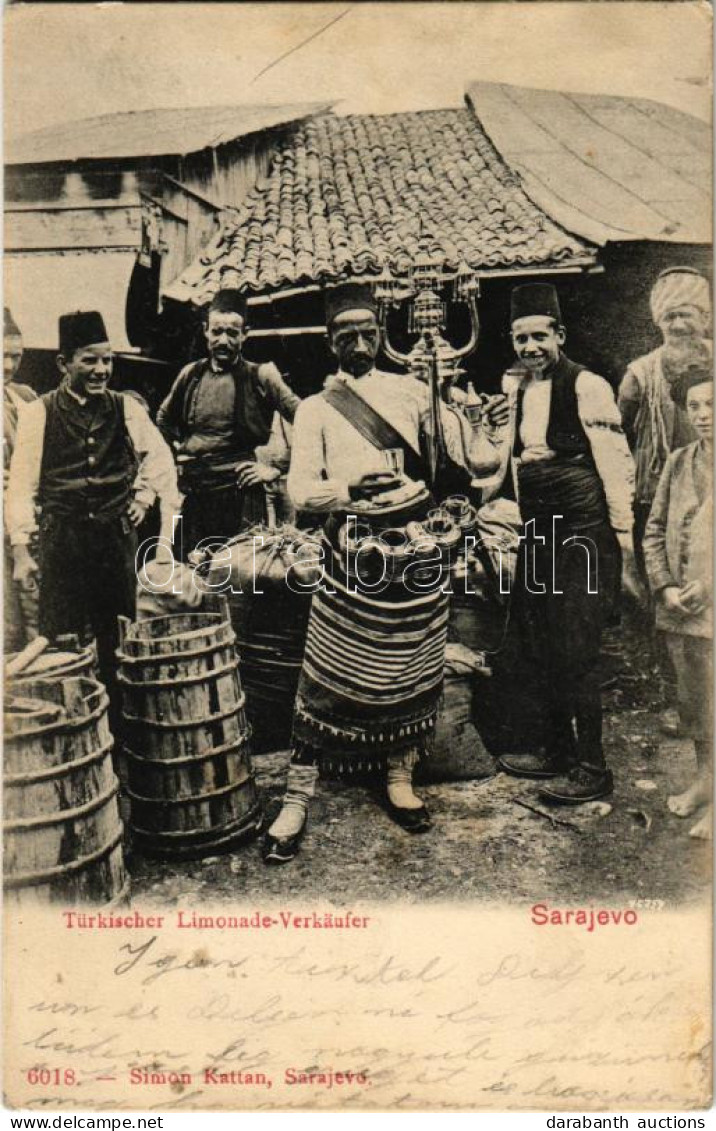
[
  {"x": 83, "y": 328},
  {"x": 533, "y": 299},
  {"x": 348, "y": 296},
  {"x": 229, "y": 301}
]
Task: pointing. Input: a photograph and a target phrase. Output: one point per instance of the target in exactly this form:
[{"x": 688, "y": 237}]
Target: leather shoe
[
  {"x": 279, "y": 850},
  {"x": 536, "y": 766},
  {"x": 582, "y": 783},
  {"x": 412, "y": 820}
]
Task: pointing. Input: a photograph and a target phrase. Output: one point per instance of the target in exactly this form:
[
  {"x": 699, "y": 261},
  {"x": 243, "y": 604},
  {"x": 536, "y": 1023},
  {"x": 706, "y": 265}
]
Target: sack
[{"x": 263, "y": 557}]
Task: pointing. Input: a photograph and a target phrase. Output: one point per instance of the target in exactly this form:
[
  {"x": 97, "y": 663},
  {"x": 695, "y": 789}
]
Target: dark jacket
[{"x": 260, "y": 391}]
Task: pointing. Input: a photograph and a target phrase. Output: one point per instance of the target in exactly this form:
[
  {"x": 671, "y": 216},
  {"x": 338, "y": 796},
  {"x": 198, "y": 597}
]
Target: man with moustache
[
  {"x": 574, "y": 478},
  {"x": 77, "y": 452},
  {"x": 217, "y": 413},
  {"x": 654, "y": 422},
  {"x": 654, "y": 419},
  {"x": 373, "y": 665}
]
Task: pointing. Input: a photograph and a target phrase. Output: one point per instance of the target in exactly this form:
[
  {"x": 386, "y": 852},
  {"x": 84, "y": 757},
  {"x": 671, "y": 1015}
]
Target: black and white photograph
[{"x": 358, "y": 553}]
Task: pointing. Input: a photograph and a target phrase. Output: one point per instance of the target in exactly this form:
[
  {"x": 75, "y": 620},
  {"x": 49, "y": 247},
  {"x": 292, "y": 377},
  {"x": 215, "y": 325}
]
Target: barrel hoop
[
  {"x": 181, "y": 724},
  {"x": 61, "y": 769},
  {"x": 170, "y": 763},
  {"x": 179, "y": 681},
  {"x": 71, "y": 724},
  {"x": 197, "y": 834},
  {"x": 31, "y": 879},
  {"x": 162, "y": 657},
  {"x": 222, "y": 630},
  {"x": 171, "y": 802},
  {"x": 120, "y": 899},
  {"x": 72, "y": 669},
  {"x": 63, "y": 815}
]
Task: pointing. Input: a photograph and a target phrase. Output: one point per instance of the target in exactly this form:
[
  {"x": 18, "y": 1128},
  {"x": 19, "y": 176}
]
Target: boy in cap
[
  {"x": 574, "y": 478},
  {"x": 217, "y": 412},
  {"x": 678, "y": 553},
  {"x": 76, "y": 455},
  {"x": 20, "y": 607}
]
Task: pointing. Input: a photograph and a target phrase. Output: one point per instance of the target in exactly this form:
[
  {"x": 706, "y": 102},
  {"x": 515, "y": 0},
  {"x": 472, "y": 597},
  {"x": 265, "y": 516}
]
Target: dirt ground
[{"x": 483, "y": 844}]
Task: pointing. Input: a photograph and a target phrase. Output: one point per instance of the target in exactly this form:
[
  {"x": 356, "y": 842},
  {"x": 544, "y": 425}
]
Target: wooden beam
[
  {"x": 193, "y": 193},
  {"x": 74, "y": 229}
]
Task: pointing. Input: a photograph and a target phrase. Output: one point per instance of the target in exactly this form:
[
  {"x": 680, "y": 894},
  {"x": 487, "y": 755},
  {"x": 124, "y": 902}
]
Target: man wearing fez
[
  {"x": 20, "y": 606},
  {"x": 76, "y": 454},
  {"x": 373, "y": 665},
  {"x": 654, "y": 422},
  {"x": 217, "y": 412},
  {"x": 574, "y": 477}
]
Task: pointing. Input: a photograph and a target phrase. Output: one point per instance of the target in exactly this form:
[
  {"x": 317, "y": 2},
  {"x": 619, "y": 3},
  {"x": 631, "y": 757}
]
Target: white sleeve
[
  {"x": 157, "y": 472},
  {"x": 601, "y": 419},
  {"x": 25, "y": 468},
  {"x": 308, "y": 486}
]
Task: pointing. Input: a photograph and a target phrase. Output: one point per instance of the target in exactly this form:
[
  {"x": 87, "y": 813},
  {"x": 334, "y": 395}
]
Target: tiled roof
[
  {"x": 345, "y": 195},
  {"x": 605, "y": 166}
]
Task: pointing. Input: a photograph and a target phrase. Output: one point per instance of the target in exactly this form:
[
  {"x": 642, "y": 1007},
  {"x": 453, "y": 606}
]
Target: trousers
[
  {"x": 87, "y": 580},
  {"x": 692, "y": 660}
]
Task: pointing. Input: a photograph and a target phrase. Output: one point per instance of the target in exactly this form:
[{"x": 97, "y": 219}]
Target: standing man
[
  {"x": 217, "y": 412},
  {"x": 76, "y": 454},
  {"x": 654, "y": 423},
  {"x": 574, "y": 478},
  {"x": 373, "y": 665},
  {"x": 20, "y": 607}
]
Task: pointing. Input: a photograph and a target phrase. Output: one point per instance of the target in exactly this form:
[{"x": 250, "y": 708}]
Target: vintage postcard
[{"x": 358, "y": 521}]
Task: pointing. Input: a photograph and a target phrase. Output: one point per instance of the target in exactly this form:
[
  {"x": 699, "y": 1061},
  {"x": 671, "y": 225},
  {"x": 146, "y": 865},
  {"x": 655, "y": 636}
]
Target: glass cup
[{"x": 395, "y": 461}]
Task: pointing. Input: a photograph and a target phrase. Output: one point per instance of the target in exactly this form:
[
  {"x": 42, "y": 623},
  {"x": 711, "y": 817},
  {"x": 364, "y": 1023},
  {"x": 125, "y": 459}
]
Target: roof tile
[{"x": 345, "y": 195}]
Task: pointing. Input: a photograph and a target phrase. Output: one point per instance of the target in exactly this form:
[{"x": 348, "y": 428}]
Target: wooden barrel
[
  {"x": 270, "y": 619},
  {"x": 66, "y": 658},
  {"x": 190, "y": 779},
  {"x": 271, "y": 632},
  {"x": 62, "y": 831}
]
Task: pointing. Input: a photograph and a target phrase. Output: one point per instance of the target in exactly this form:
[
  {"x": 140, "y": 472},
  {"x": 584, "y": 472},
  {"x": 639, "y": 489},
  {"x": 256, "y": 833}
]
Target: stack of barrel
[
  {"x": 187, "y": 741},
  {"x": 62, "y": 829}
]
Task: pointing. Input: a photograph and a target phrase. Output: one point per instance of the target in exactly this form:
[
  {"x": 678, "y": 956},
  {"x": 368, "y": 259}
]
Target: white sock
[
  {"x": 400, "y": 780},
  {"x": 300, "y": 788}
]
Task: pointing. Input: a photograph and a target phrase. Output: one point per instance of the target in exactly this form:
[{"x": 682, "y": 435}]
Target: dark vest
[
  {"x": 88, "y": 464},
  {"x": 253, "y": 415},
  {"x": 565, "y": 432}
]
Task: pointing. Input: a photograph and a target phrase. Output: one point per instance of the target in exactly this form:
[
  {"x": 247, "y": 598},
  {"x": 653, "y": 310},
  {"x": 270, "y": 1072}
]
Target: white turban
[{"x": 679, "y": 286}]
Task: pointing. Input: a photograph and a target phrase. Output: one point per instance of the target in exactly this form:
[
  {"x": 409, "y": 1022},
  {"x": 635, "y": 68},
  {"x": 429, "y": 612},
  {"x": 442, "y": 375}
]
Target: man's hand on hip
[{"x": 250, "y": 473}]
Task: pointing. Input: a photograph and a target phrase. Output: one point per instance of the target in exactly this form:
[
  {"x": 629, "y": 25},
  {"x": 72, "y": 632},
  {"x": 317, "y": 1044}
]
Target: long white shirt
[
  {"x": 156, "y": 473},
  {"x": 328, "y": 453}
]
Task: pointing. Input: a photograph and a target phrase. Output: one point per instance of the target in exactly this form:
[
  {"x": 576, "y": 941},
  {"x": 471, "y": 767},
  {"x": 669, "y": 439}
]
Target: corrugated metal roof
[
  {"x": 605, "y": 167},
  {"x": 151, "y": 133},
  {"x": 346, "y": 195}
]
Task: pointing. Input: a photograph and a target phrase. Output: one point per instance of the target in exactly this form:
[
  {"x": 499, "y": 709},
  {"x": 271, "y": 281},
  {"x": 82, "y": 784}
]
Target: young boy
[{"x": 678, "y": 559}]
